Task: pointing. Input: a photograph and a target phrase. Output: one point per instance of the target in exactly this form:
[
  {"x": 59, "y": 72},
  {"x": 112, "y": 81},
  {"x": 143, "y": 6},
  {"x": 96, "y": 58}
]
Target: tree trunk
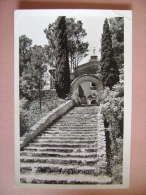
[{"x": 40, "y": 98}]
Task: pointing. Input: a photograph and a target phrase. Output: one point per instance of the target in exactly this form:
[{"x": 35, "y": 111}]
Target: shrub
[
  {"x": 23, "y": 116},
  {"x": 113, "y": 112},
  {"x": 30, "y": 112}
]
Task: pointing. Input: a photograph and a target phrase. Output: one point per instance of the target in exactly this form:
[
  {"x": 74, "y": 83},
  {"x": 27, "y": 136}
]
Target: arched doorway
[{"x": 80, "y": 92}]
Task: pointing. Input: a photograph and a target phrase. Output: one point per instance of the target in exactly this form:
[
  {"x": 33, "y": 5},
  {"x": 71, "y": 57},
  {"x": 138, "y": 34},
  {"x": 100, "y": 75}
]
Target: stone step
[
  {"x": 74, "y": 138},
  {"x": 82, "y": 120},
  {"x": 83, "y": 111},
  {"x": 71, "y": 136},
  {"x": 53, "y": 141},
  {"x": 74, "y": 127},
  {"x": 85, "y": 108},
  {"x": 83, "y": 116},
  {"x": 62, "y": 169},
  {"x": 75, "y": 123},
  {"x": 55, "y": 160},
  {"x": 65, "y": 179},
  {"x": 77, "y": 133},
  {"x": 57, "y": 154},
  {"x": 69, "y": 132},
  {"x": 62, "y": 145},
  {"x": 71, "y": 129},
  {"x": 60, "y": 133},
  {"x": 72, "y": 124},
  {"x": 66, "y": 150}
]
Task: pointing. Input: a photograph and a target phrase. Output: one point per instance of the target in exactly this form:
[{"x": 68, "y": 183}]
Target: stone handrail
[{"x": 45, "y": 121}]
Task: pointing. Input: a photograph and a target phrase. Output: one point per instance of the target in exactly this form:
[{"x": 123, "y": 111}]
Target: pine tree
[
  {"x": 62, "y": 80},
  {"x": 109, "y": 68},
  {"x": 77, "y": 47}
]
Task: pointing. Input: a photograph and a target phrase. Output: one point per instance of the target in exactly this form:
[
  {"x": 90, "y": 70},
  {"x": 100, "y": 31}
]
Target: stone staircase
[{"x": 66, "y": 152}]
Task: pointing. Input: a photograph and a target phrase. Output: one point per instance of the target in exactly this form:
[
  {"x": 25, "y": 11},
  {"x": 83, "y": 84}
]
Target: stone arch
[
  {"x": 84, "y": 78},
  {"x": 93, "y": 102}
]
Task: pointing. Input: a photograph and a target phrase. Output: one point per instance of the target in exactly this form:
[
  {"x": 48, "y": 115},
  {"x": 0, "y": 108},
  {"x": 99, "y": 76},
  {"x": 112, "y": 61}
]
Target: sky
[{"x": 33, "y": 22}]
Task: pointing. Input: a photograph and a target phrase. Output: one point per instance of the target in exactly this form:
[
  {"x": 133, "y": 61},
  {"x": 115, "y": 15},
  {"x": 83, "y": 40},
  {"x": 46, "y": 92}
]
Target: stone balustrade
[{"x": 45, "y": 121}]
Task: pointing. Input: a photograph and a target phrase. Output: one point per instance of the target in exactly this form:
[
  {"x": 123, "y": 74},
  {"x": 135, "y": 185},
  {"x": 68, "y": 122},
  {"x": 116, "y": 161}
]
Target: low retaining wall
[
  {"x": 101, "y": 150},
  {"x": 45, "y": 121}
]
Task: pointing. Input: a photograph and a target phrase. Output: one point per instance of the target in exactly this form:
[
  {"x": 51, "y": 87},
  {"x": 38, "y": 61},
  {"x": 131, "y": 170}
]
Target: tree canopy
[
  {"x": 117, "y": 35},
  {"x": 77, "y": 48},
  {"x": 109, "y": 68},
  {"x": 32, "y": 68},
  {"x": 24, "y": 52}
]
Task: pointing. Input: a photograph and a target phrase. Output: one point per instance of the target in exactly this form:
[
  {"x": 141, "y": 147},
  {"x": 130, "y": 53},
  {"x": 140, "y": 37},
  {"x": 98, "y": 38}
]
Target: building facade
[{"x": 87, "y": 90}]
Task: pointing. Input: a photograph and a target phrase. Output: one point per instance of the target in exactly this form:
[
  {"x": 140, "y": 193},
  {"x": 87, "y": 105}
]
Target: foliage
[
  {"x": 26, "y": 86},
  {"x": 51, "y": 33},
  {"x": 112, "y": 101},
  {"x": 23, "y": 116},
  {"x": 116, "y": 162},
  {"x": 117, "y": 32},
  {"x": 24, "y": 59},
  {"x": 30, "y": 112},
  {"x": 37, "y": 70},
  {"x": 31, "y": 79},
  {"x": 113, "y": 107},
  {"x": 76, "y": 47},
  {"x": 24, "y": 52},
  {"x": 62, "y": 81},
  {"x": 109, "y": 68}
]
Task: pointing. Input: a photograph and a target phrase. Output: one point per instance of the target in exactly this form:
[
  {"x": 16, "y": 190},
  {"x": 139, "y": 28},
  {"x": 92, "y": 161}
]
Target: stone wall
[
  {"x": 101, "y": 150},
  {"x": 45, "y": 121}
]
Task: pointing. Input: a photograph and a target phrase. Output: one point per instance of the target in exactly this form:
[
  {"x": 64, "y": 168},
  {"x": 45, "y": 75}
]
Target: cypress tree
[
  {"x": 109, "y": 68},
  {"x": 117, "y": 32},
  {"x": 62, "y": 81}
]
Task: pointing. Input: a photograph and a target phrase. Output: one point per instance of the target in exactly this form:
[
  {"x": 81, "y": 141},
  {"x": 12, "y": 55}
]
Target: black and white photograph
[{"x": 73, "y": 83}]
